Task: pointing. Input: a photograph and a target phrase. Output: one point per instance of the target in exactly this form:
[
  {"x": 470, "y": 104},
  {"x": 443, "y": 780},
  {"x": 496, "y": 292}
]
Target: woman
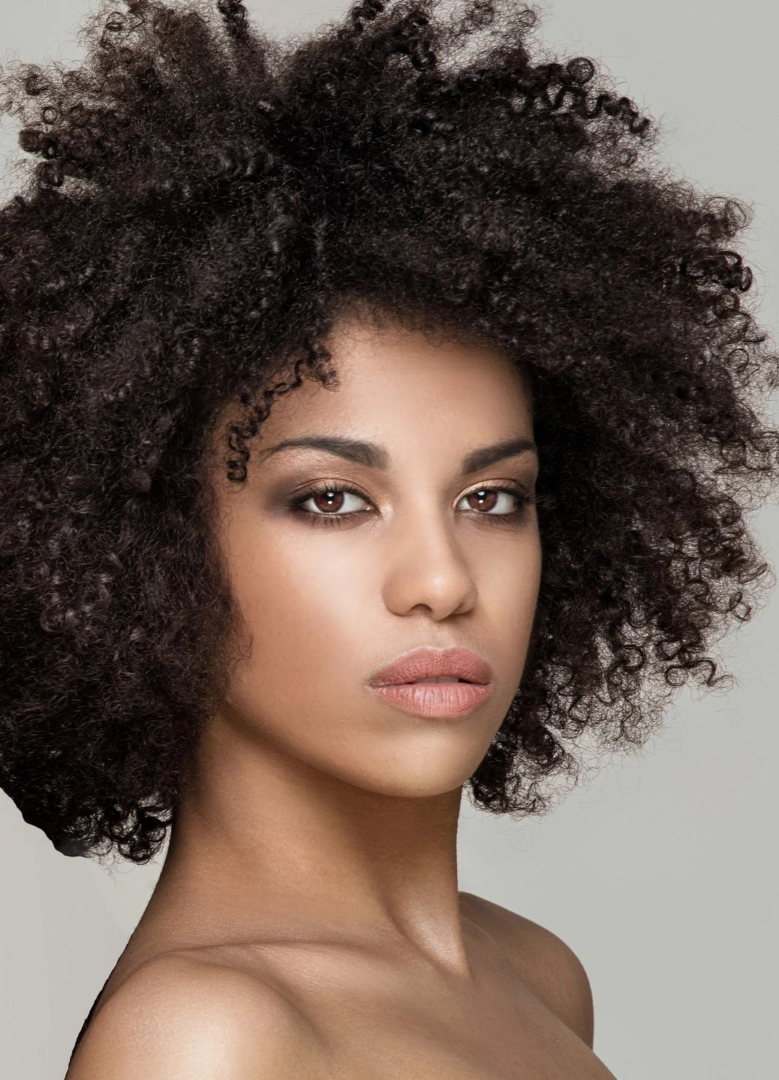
[{"x": 330, "y": 367}]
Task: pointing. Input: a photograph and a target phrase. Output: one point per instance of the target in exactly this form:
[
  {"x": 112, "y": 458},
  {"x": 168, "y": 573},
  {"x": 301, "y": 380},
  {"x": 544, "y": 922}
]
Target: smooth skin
[{"x": 307, "y": 920}]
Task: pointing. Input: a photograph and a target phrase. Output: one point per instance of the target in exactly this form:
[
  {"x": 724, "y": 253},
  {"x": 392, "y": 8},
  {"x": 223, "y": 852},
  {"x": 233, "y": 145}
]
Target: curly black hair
[{"x": 204, "y": 205}]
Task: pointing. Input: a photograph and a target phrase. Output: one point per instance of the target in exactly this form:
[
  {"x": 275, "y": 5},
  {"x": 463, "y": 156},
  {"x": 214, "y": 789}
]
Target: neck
[{"x": 266, "y": 846}]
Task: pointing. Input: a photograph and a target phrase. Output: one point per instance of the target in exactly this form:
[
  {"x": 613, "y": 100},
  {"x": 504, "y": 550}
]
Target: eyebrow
[{"x": 373, "y": 456}]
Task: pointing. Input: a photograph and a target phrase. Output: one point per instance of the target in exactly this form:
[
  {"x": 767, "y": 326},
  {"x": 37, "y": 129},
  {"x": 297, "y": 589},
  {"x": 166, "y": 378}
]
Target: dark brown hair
[{"x": 199, "y": 205}]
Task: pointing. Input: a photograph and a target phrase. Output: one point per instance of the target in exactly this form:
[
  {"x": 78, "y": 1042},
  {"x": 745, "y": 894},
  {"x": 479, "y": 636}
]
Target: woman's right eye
[{"x": 333, "y": 494}]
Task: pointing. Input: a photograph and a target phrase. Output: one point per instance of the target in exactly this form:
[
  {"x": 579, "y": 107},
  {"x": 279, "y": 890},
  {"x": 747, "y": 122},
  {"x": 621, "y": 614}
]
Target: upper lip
[{"x": 427, "y": 663}]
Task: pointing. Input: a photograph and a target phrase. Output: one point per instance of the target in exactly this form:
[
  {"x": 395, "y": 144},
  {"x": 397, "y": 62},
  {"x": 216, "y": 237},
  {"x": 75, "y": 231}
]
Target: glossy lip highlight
[{"x": 429, "y": 663}]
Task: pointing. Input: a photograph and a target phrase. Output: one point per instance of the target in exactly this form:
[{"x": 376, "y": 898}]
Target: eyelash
[{"x": 515, "y": 518}]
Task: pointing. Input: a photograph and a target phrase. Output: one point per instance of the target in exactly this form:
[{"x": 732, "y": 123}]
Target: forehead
[{"x": 397, "y": 382}]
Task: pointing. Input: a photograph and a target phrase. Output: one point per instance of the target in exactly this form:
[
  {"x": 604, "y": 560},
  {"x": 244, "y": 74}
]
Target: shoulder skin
[
  {"x": 180, "y": 1018},
  {"x": 547, "y": 966}
]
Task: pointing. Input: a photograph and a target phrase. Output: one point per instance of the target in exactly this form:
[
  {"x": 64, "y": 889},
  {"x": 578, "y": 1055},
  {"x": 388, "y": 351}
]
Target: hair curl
[{"x": 204, "y": 206}]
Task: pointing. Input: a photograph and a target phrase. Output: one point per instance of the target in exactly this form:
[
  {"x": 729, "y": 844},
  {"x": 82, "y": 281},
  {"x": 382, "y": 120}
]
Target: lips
[{"x": 426, "y": 663}]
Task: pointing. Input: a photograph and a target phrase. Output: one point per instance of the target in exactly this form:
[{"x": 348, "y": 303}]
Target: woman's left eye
[{"x": 488, "y": 497}]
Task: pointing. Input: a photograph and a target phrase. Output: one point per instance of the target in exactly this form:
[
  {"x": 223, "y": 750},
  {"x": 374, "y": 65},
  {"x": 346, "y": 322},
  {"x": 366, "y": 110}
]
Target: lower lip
[{"x": 434, "y": 699}]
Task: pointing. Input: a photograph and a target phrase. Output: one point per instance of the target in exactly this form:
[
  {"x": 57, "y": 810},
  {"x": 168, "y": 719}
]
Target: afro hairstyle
[{"x": 199, "y": 205}]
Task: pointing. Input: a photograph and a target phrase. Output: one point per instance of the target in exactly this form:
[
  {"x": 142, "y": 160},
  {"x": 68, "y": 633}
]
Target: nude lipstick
[{"x": 401, "y": 684}]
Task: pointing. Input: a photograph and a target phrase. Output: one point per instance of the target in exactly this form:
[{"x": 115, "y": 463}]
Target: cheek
[
  {"x": 305, "y": 612},
  {"x": 514, "y": 585}
]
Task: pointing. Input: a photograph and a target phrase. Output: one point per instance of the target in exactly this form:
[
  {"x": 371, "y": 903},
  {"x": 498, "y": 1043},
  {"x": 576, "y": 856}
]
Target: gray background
[{"x": 660, "y": 872}]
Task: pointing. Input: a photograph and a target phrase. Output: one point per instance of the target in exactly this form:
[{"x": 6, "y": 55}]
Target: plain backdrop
[{"x": 661, "y": 872}]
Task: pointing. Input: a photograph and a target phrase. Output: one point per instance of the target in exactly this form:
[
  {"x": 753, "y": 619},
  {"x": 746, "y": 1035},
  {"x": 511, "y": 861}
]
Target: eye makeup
[{"x": 325, "y": 487}]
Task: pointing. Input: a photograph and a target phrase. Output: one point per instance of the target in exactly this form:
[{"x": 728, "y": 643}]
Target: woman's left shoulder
[{"x": 543, "y": 961}]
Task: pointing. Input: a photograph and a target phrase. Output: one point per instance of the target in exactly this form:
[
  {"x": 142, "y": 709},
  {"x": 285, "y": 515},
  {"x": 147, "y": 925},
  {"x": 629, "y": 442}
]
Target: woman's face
[{"x": 420, "y": 556}]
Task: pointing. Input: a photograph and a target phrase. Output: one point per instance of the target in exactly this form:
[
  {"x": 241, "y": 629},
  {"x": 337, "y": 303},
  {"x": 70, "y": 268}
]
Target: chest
[
  {"x": 373, "y": 1023},
  {"x": 418, "y": 1047}
]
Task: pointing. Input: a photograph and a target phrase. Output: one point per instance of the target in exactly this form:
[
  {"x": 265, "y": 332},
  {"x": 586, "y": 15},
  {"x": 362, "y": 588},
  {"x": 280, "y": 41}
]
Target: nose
[{"x": 426, "y": 566}]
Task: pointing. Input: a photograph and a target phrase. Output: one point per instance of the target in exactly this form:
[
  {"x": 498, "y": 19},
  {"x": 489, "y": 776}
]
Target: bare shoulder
[
  {"x": 543, "y": 961},
  {"x": 179, "y": 1018}
]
